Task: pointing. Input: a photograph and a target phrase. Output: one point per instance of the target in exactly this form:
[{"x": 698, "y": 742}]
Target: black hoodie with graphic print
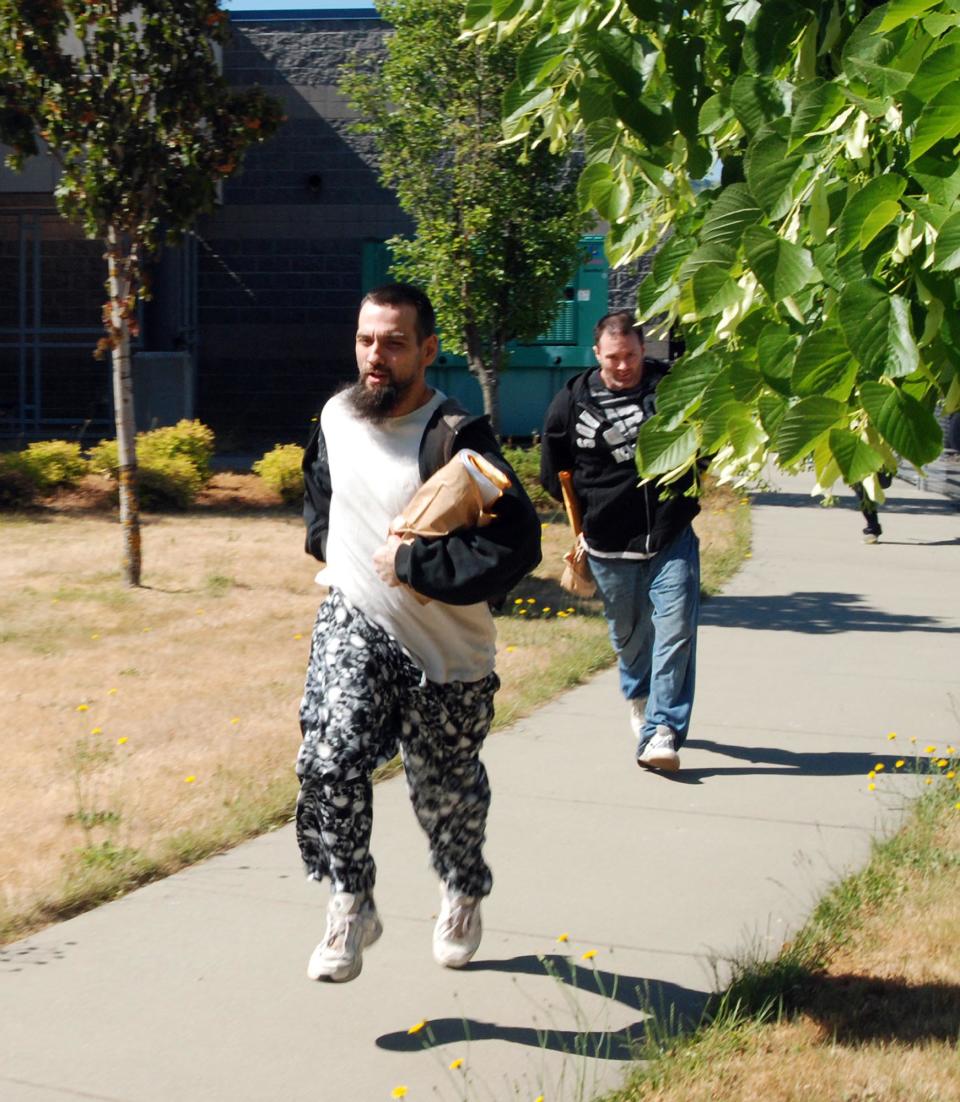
[{"x": 618, "y": 514}]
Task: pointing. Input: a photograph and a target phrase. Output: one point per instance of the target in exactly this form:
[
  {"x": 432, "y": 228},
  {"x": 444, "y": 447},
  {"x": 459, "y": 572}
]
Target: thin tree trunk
[
  {"x": 119, "y": 286},
  {"x": 486, "y": 375}
]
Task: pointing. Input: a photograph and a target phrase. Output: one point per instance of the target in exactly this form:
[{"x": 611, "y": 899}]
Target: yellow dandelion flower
[
  {"x": 454, "y": 1064},
  {"x": 97, "y": 731},
  {"x": 189, "y": 780},
  {"x": 518, "y": 601},
  {"x": 539, "y": 1098},
  {"x": 96, "y": 635},
  {"x": 399, "y": 1092},
  {"x": 891, "y": 736},
  {"x": 879, "y": 767},
  {"x": 122, "y": 740},
  {"x": 950, "y": 775},
  {"x": 563, "y": 937},
  {"x": 588, "y": 955},
  {"x": 942, "y": 763},
  {"x": 543, "y": 527},
  {"x": 929, "y": 780},
  {"x": 951, "y": 749},
  {"x": 299, "y": 635},
  {"x": 146, "y": 631},
  {"x": 744, "y": 501},
  {"x": 546, "y": 608},
  {"x": 523, "y": 612},
  {"x": 748, "y": 555},
  {"x": 511, "y": 649},
  {"x": 561, "y": 615},
  {"x": 930, "y": 749},
  {"x": 871, "y": 787},
  {"x": 956, "y": 807},
  {"x": 871, "y": 775},
  {"x": 899, "y": 763},
  {"x": 111, "y": 692},
  {"x": 83, "y": 707},
  {"x": 531, "y": 600},
  {"x": 235, "y": 720},
  {"x": 571, "y": 610},
  {"x": 416, "y": 1028}
]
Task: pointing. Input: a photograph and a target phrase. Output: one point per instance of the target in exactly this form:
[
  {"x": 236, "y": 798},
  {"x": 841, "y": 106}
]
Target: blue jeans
[{"x": 652, "y": 607}]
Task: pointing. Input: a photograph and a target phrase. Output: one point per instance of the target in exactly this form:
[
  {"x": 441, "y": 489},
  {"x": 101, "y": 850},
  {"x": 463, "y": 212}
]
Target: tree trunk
[
  {"x": 487, "y": 375},
  {"x": 119, "y": 285}
]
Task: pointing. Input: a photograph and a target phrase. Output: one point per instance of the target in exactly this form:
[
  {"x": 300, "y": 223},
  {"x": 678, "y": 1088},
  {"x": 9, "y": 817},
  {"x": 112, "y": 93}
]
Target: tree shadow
[
  {"x": 666, "y": 1007},
  {"x": 771, "y": 760},
  {"x": 814, "y": 613},
  {"x": 856, "y": 1009}
]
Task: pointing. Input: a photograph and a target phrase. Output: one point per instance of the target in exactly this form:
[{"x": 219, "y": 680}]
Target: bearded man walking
[{"x": 402, "y": 654}]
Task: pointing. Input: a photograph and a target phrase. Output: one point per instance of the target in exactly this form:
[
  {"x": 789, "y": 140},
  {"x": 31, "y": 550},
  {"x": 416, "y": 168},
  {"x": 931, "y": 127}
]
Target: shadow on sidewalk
[
  {"x": 773, "y": 761},
  {"x": 893, "y": 504},
  {"x": 814, "y": 613},
  {"x": 673, "y": 1008}
]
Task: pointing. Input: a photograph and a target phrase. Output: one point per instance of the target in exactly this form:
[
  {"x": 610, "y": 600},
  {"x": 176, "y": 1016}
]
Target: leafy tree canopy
[
  {"x": 794, "y": 161},
  {"x": 497, "y": 227}
]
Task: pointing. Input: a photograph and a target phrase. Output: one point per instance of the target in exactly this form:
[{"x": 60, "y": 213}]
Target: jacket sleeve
[
  {"x": 316, "y": 494},
  {"x": 477, "y": 564},
  {"x": 555, "y": 451}
]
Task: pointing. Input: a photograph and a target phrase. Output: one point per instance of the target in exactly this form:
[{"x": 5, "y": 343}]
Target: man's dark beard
[{"x": 376, "y": 403}]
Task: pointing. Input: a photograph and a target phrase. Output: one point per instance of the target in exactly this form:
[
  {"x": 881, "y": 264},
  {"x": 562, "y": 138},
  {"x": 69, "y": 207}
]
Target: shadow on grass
[
  {"x": 850, "y": 1009},
  {"x": 666, "y": 1007}
]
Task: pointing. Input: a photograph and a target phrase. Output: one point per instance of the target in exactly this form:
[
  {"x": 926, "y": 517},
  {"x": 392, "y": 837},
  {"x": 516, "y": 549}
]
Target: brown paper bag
[
  {"x": 576, "y": 577},
  {"x": 458, "y": 495}
]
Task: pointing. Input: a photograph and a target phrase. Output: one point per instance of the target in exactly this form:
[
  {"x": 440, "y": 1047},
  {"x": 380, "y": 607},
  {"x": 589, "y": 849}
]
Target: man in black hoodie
[{"x": 642, "y": 550}]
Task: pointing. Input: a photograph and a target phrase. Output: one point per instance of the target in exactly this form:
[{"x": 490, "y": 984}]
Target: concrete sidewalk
[{"x": 193, "y": 989}]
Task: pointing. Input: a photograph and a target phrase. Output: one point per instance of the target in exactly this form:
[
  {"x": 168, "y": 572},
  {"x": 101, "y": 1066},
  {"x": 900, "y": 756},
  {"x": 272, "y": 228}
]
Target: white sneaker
[
  {"x": 352, "y": 925},
  {"x": 456, "y": 936},
  {"x": 660, "y": 752},
  {"x": 638, "y": 717}
]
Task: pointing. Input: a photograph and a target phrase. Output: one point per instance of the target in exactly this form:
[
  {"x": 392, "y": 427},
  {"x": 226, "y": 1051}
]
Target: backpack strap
[{"x": 436, "y": 444}]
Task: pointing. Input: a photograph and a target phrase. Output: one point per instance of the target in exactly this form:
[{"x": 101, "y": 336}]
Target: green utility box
[{"x": 535, "y": 371}]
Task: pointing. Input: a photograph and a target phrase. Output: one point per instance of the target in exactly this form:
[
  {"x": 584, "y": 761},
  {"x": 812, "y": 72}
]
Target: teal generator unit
[{"x": 535, "y": 371}]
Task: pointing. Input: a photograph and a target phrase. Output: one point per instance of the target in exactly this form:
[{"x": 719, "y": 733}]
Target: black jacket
[
  {"x": 618, "y": 514},
  {"x": 466, "y": 567}
]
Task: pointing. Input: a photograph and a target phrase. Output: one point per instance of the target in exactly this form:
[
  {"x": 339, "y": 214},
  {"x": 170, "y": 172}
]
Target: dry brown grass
[
  {"x": 879, "y": 1023},
  {"x": 146, "y": 727}
]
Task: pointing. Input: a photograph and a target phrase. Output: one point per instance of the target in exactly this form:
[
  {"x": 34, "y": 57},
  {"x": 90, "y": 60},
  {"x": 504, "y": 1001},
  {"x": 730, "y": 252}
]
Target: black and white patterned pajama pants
[{"x": 363, "y": 699}]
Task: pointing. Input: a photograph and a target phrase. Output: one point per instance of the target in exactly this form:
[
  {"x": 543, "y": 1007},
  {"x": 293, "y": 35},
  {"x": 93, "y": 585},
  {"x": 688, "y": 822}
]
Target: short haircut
[
  {"x": 405, "y": 294},
  {"x": 620, "y": 323}
]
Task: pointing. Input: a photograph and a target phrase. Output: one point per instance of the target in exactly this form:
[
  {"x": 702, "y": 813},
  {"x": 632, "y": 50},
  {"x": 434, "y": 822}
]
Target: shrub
[
  {"x": 52, "y": 463},
  {"x": 280, "y": 470},
  {"x": 17, "y": 487},
  {"x": 526, "y": 462},
  {"x": 172, "y": 463}
]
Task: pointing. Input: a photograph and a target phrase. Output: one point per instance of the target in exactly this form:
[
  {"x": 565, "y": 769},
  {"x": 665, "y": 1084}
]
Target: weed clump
[{"x": 281, "y": 470}]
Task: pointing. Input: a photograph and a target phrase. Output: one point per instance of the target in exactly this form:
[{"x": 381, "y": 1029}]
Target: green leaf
[
  {"x": 854, "y": 457},
  {"x": 712, "y": 253},
  {"x": 680, "y": 392},
  {"x": 660, "y": 449},
  {"x": 539, "y": 59},
  {"x": 775, "y": 352},
  {"x": 886, "y": 188},
  {"x": 906, "y": 425},
  {"x": 770, "y": 172},
  {"x": 824, "y": 365},
  {"x": 816, "y": 104},
  {"x": 899, "y": 11},
  {"x": 878, "y": 330},
  {"x": 878, "y": 219},
  {"x": 939, "y": 119},
  {"x": 713, "y": 290},
  {"x": 653, "y": 122},
  {"x": 946, "y": 252},
  {"x": 781, "y": 266},
  {"x": 732, "y": 211},
  {"x": 803, "y": 424},
  {"x": 939, "y": 175},
  {"x": 936, "y": 71},
  {"x": 771, "y": 408},
  {"x": 757, "y": 100}
]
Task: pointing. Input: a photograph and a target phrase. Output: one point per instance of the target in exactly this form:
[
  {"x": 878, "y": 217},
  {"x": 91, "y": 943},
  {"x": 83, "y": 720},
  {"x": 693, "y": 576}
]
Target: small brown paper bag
[
  {"x": 576, "y": 577},
  {"x": 458, "y": 495}
]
